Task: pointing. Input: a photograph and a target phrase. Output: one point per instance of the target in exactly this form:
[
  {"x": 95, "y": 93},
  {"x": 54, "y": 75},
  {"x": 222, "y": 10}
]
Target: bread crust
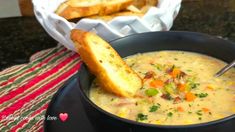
[
  {"x": 141, "y": 3},
  {"x": 97, "y": 65},
  {"x": 70, "y": 12},
  {"x": 111, "y": 16},
  {"x": 70, "y": 9}
]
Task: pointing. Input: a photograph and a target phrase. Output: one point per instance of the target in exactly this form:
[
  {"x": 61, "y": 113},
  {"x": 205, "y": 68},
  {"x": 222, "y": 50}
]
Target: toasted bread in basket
[
  {"x": 111, "y": 16},
  {"x": 141, "y": 3},
  {"x": 81, "y": 8},
  {"x": 142, "y": 6},
  {"x": 138, "y": 8},
  {"x": 112, "y": 73}
]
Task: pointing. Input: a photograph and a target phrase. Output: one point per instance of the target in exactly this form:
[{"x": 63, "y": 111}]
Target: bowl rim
[{"x": 125, "y": 120}]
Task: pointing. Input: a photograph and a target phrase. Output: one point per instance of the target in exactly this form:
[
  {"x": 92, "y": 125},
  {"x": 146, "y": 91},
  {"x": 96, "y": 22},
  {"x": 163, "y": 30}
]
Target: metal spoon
[{"x": 224, "y": 69}]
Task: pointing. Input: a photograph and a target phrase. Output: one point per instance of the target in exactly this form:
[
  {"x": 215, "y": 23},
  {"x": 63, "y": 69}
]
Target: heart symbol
[{"x": 63, "y": 116}]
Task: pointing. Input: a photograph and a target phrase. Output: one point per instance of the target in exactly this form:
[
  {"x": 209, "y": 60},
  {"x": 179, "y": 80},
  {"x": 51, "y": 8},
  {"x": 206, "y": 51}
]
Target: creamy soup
[{"x": 179, "y": 88}]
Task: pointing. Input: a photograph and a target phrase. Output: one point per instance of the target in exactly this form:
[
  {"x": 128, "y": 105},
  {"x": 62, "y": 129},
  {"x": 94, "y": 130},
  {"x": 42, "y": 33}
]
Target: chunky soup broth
[{"x": 179, "y": 88}]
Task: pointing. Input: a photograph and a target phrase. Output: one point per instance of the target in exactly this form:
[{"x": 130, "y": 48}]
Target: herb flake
[
  {"x": 154, "y": 108},
  {"x": 170, "y": 114},
  {"x": 199, "y": 112},
  {"x": 202, "y": 95},
  {"x": 141, "y": 117}
]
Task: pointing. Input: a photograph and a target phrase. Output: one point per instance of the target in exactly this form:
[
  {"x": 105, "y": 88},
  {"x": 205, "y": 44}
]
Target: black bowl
[{"x": 155, "y": 41}]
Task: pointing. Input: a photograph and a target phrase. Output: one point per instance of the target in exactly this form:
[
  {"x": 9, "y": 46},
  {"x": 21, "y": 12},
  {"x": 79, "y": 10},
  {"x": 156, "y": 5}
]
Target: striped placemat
[{"x": 26, "y": 90}]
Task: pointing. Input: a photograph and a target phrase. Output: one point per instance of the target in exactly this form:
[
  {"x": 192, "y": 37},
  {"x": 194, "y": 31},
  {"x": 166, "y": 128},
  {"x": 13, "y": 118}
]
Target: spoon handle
[{"x": 226, "y": 68}]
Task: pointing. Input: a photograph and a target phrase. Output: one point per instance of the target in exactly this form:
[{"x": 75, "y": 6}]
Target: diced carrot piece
[
  {"x": 190, "y": 97},
  {"x": 156, "y": 83},
  {"x": 181, "y": 87},
  {"x": 180, "y": 109},
  {"x": 175, "y": 72},
  {"x": 205, "y": 109},
  {"x": 177, "y": 100}
]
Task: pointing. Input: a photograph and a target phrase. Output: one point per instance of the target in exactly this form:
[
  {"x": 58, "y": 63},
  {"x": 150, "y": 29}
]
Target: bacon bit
[
  {"x": 169, "y": 70},
  {"x": 190, "y": 97},
  {"x": 125, "y": 103},
  {"x": 149, "y": 75},
  {"x": 181, "y": 87},
  {"x": 166, "y": 96},
  {"x": 169, "y": 81},
  {"x": 156, "y": 83},
  {"x": 180, "y": 109},
  {"x": 139, "y": 96},
  {"x": 182, "y": 74},
  {"x": 177, "y": 100},
  {"x": 205, "y": 110},
  {"x": 149, "y": 99}
]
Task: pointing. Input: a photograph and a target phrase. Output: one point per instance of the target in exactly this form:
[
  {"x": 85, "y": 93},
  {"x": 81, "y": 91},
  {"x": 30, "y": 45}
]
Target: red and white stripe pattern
[{"x": 26, "y": 90}]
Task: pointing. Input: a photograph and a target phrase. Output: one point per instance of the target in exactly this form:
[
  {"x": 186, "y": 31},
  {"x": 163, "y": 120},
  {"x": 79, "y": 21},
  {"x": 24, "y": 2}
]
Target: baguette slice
[
  {"x": 112, "y": 73},
  {"x": 81, "y": 8}
]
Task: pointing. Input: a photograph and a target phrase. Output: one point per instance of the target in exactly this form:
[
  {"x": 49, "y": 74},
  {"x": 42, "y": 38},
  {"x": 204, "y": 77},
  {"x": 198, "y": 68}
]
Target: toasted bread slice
[
  {"x": 81, "y": 8},
  {"x": 141, "y": 3},
  {"x": 142, "y": 6},
  {"x": 112, "y": 73},
  {"x": 148, "y": 5},
  {"x": 111, "y": 16},
  {"x": 151, "y": 2}
]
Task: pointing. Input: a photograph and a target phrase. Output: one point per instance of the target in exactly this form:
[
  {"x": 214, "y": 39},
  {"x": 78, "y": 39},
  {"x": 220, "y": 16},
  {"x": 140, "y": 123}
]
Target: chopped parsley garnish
[
  {"x": 200, "y": 118},
  {"x": 141, "y": 117},
  {"x": 158, "y": 66},
  {"x": 154, "y": 108},
  {"x": 189, "y": 70},
  {"x": 189, "y": 112},
  {"x": 191, "y": 83},
  {"x": 202, "y": 95},
  {"x": 151, "y": 92},
  {"x": 199, "y": 112},
  {"x": 170, "y": 88},
  {"x": 111, "y": 55},
  {"x": 194, "y": 85},
  {"x": 132, "y": 64},
  {"x": 170, "y": 114}
]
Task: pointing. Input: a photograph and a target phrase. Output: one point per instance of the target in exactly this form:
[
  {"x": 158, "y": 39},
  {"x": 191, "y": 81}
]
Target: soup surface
[{"x": 179, "y": 88}]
